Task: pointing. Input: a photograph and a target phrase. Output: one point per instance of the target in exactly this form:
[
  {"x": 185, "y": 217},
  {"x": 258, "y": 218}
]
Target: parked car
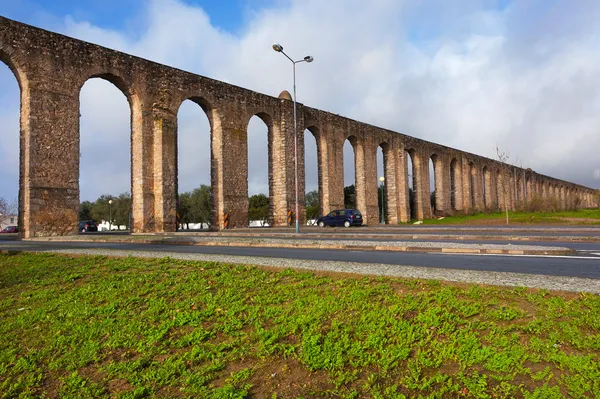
[
  {"x": 341, "y": 217},
  {"x": 10, "y": 229},
  {"x": 87, "y": 225}
]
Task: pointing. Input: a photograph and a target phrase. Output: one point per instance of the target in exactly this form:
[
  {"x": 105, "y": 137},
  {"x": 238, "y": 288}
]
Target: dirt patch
[{"x": 286, "y": 378}]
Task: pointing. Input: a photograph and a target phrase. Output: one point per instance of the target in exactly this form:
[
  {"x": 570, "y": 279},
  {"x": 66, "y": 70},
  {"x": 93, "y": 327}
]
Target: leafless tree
[
  {"x": 505, "y": 168},
  {"x": 7, "y": 208}
]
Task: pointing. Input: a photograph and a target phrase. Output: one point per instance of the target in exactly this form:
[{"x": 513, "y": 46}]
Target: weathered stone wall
[{"x": 51, "y": 69}]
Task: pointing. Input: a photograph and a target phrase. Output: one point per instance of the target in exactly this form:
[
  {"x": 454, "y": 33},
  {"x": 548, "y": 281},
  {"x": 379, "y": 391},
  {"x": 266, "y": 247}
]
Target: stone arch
[
  {"x": 12, "y": 64},
  {"x": 359, "y": 173},
  {"x": 437, "y": 200},
  {"x": 116, "y": 80},
  {"x": 6, "y": 58},
  {"x": 414, "y": 192},
  {"x": 215, "y": 139},
  {"x": 138, "y": 169},
  {"x": 388, "y": 193},
  {"x": 268, "y": 120},
  {"x": 111, "y": 95},
  {"x": 321, "y": 189}
]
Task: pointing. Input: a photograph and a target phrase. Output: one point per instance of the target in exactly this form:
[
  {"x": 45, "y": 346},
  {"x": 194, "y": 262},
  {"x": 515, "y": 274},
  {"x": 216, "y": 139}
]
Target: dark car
[
  {"x": 87, "y": 225},
  {"x": 10, "y": 229},
  {"x": 341, "y": 217}
]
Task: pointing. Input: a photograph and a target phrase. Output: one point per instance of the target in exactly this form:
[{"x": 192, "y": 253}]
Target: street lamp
[
  {"x": 110, "y": 215},
  {"x": 382, "y": 180},
  {"x": 279, "y": 48}
]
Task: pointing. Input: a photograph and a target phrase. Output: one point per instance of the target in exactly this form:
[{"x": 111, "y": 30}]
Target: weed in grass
[{"x": 72, "y": 326}]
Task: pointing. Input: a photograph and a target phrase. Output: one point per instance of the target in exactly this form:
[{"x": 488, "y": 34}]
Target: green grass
[
  {"x": 582, "y": 216},
  {"x": 85, "y": 327}
]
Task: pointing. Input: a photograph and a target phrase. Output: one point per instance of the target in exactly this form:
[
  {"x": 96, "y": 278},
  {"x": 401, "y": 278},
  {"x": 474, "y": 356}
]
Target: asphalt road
[{"x": 572, "y": 266}]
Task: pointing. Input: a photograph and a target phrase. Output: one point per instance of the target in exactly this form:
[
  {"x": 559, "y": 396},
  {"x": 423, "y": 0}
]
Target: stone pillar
[
  {"x": 467, "y": 183},
  {"x": 401, "y": 173},
  {"x": 421, "y": 186},
  {"x": 371, "y": 182},
  {"x": 232, "y": 190},
  {"x": 390, "y": 185},
  {"x": 478, "y": 189},
  {"x": 165, "y": 170},
  {"x": 335, "y": 162},
  {"x": 361, "y": 184},
  {"x": 488, "y": 197},
  {"x": 442, "y": 185},
  {"x": 456, "y": 177},
  {"x": 142, "y": 169},
  {"x": 49, "y": 159},
  {"x": 323, "y": 169},
  {"x": 282, "y": 164}
]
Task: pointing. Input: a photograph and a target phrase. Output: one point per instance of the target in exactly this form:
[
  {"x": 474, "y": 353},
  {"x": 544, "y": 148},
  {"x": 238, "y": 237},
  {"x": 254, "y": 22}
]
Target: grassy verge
[
  {"x": 83, "y": 327},
  {"x": 583, "y": 216}
]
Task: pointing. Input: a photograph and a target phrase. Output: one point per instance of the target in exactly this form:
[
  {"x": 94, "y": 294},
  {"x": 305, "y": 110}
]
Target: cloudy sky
[{"x": 468, "y": 74}]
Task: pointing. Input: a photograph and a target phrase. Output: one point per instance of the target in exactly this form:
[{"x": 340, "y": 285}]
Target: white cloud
[{"x": 466, "y": 75}]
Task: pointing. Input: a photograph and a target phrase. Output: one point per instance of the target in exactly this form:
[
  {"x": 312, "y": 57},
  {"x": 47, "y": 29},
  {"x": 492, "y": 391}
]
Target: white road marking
[{"x": 529, "y": 256}]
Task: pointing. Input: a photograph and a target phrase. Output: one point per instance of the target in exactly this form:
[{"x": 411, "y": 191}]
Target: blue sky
[
  {"x": 469, "y": 74},
  {"x": 122, "y": 14}
]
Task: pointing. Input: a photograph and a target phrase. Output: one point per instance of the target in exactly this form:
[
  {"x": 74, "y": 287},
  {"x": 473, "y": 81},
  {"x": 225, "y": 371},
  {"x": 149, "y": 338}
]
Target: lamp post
[
  {"x": 110, "y": 215},
  {"x": 279, "y": 48},
  {"x": 382, "y": 180}
]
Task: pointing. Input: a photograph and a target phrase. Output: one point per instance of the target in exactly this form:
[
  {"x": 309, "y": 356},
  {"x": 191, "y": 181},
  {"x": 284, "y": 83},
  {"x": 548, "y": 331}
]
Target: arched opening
[
  {"x": 519, "y": 189},
  {"x": 260, "y": 171},
  {"x": 105, "y": 155},
  {"x": 382, "y": 183},
  {"x": 349, "y": 165},
  {"x": 312, "y": 186},
  {"x": 9, "y": 146},
  {"x": 412, "y": 184},
  {"x": 455, "y": 185},
  {"x": 194, "y": 188}
]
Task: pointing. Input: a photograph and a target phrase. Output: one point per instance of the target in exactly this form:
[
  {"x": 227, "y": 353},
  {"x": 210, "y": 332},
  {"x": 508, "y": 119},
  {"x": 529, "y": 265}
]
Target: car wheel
[
  {"x": 347, "y": 223},
  {"x": 321, "y": 224}
]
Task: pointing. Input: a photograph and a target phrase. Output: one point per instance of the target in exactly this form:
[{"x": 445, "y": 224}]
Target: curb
[{"x": 336, "y": 247}]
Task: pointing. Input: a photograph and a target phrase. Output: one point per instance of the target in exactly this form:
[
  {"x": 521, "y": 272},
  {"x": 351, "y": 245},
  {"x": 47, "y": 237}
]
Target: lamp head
[
  {"x": 110, "y": 202},
  {"x": 278, "y": 47},
  {"x": 308, "y": 58},
  {"x": 381, "y": 179}
]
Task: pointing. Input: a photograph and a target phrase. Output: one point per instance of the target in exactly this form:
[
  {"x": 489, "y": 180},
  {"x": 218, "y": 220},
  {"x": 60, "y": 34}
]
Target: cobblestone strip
[{"x": 355, "y": 244}]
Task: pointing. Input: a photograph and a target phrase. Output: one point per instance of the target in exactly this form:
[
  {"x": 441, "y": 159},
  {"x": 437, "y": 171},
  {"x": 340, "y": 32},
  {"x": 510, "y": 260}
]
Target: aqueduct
[{"x": 51, "y": 70}]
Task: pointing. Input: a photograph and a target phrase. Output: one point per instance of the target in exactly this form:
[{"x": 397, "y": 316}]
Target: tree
[
  {"x": 85, "y": 210},
  {"x": 258, "y": 208},
  {"x": 503, "y": 157},
  {"x": 7, "y": 208},
  {"x": 350, "y": 197},
  {"x": 313, "y": 207},
  {"x": 183, "y": 208},
  {"x": 121, "y": 208},
  {"x": 100, "y": 209},
  {"x": 201, "y": 204}
]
